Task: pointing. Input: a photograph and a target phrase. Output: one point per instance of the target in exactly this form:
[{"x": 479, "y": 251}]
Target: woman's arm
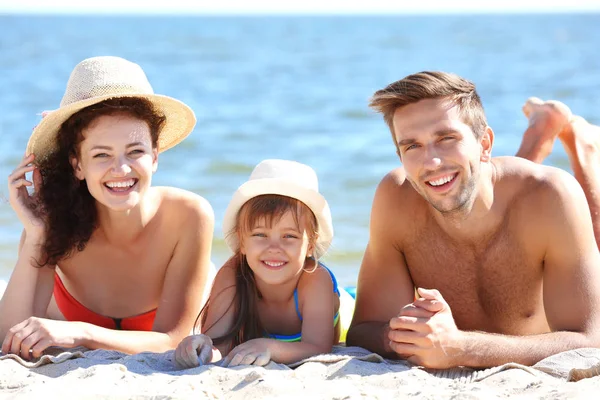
[
  {"x": 183, "y": 288},
  {"x": 29, "y": 288}
]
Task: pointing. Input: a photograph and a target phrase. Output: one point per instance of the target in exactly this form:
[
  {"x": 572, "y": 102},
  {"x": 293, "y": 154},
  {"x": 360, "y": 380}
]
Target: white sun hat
[
  {"x": 285, "y": 178},
  {"x": 101, "y": 78}
]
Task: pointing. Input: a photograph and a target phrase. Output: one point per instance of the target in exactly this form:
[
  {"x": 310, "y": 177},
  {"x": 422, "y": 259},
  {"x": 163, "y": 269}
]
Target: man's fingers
[
  {"x": 404, "y": 350},
  {"x": 432, "y": 306},
  {"x": 411, "y": 310},
  {"x": 430, "y": 294},
  {"x": 408, "y": 337},
  {"x": 410, "y": 323}
]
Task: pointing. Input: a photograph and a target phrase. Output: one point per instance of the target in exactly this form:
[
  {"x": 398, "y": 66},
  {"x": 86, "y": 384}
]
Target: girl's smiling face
[{"x": 276, "y": 252}]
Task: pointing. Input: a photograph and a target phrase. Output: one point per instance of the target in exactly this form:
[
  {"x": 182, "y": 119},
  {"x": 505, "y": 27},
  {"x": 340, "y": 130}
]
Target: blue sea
[{"x": 295, "y": 88}]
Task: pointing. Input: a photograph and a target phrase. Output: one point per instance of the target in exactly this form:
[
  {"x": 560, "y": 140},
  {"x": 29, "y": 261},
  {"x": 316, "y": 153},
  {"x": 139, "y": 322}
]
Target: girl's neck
[{"x": 279, "y": 293}]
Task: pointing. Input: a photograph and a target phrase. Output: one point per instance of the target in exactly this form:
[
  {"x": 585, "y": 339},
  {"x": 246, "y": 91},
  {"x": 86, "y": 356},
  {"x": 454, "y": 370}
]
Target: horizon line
[{"x": 243, "y": 13}]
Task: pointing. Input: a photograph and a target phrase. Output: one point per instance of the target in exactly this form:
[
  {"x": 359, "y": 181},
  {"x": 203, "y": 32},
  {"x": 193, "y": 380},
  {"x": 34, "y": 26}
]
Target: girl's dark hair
[
  {"x": 271, "y": 208},
  {"x": 68, "y": 208}
]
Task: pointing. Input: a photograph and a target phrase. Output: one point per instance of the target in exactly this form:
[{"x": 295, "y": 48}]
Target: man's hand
[{"x": 425, "y": 333}]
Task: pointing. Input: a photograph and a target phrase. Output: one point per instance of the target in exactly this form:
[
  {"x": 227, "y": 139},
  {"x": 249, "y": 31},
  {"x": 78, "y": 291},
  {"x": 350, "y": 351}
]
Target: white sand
[{"x": 349, "y": 373}]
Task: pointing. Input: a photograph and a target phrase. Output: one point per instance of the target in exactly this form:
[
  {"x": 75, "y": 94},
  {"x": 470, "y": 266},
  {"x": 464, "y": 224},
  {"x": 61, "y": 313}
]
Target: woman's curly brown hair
[{"x": 68, "y": 208}]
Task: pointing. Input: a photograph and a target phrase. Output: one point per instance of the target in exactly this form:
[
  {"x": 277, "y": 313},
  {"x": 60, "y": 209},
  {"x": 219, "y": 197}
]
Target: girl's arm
[{"x": 317, "y": 303}]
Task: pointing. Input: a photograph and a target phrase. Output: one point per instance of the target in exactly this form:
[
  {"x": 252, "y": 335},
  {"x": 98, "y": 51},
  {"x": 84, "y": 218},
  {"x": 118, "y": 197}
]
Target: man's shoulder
[
  {"x": 395, "y": 194},
  {"x": 395, "y": 182},
  {"x": 532, "y": 181}
]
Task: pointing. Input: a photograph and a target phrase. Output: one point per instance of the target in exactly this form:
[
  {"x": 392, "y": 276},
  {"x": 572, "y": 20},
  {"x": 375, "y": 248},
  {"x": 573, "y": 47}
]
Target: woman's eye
[{"x": 100, "y": 155}]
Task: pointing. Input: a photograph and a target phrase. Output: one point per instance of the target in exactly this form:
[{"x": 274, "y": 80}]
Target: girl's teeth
[{"x": 274, "y": 264}]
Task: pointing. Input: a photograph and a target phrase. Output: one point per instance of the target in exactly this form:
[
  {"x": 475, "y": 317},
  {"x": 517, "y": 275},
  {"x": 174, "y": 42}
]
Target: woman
[{"x": 105, "y": 260}]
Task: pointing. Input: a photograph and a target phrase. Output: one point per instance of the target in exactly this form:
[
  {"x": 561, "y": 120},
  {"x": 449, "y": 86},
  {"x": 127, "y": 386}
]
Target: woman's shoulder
[{"x": 184, "y": 203}]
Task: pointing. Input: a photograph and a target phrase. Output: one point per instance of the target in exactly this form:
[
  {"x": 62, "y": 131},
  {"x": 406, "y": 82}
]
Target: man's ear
[
  {"x": 76, "y": 164},
  {"x": 486, "y": 142},
  {"x": 154, "y": 160}
]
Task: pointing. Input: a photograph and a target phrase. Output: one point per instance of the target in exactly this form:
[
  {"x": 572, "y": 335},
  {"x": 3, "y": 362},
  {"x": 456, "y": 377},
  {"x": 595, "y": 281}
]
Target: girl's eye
[
  {"x": 259, "y": 235},
  {"x": 290, "y": 236}
]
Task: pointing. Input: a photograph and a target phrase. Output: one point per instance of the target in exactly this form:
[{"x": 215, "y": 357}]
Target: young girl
[{"x": 272, "y": 300}]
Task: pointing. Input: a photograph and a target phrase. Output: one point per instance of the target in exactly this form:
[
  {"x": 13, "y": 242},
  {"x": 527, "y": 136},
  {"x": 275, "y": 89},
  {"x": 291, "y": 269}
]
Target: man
[{"x": 504, "y": 246}]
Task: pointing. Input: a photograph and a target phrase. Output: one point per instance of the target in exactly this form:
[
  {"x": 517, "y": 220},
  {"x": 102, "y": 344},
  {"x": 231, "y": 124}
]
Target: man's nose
[{"x": 432, "y": 159}]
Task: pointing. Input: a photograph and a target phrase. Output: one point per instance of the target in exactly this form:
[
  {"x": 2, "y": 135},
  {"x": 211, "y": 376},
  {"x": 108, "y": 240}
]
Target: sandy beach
[{"x": 347, "y": 373}]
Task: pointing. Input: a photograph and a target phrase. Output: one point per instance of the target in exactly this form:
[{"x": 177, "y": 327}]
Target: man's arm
[
  {"x": 384, "y": 283},
  {"x": 571, "y": 287}
]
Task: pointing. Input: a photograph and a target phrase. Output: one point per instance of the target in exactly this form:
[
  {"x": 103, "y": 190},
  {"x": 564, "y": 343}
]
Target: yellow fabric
[{"x": 346, "y": 312}]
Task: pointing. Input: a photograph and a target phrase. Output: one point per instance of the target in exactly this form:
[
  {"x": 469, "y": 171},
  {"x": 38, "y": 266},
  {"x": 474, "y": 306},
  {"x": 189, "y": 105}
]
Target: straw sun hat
[
  {"x": 101, "y": 78},
  {"x": 285, "y": 178}
]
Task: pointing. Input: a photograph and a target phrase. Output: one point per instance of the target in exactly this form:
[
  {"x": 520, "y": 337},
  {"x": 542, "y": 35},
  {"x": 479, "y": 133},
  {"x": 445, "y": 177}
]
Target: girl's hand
[
  {"x": 194, "y": 351},
  {"x": 34, "y": 335},
  {"x": 252, "y": 352},
  {"x": 21, "y": 201}
]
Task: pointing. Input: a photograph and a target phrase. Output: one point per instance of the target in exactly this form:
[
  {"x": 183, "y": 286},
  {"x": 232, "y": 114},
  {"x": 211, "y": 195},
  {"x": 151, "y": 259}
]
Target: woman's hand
[
  {"x": 21, "y": 201},
  {"x": 194, "y": 351},
  {"x": 34, "y": 335}
]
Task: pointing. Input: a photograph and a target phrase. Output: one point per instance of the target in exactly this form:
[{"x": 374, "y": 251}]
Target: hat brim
[
  {"x": 180, "y": 121},
  {"x": 314, "y": 200}
]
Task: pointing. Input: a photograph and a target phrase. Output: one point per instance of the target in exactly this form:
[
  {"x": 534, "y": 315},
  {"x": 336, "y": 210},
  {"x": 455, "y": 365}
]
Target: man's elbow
[{"x": 355, "y": 335}]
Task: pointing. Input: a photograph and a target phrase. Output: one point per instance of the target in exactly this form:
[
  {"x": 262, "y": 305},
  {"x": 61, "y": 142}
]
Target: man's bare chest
[{"x": 493, "y": 283}]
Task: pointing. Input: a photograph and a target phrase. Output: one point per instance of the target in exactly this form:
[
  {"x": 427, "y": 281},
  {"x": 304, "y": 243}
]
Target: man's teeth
[
  {"x": 121, "y": 184},
  {"x": 274, "y": 264},
  {"x": 441, "y": 181}
]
